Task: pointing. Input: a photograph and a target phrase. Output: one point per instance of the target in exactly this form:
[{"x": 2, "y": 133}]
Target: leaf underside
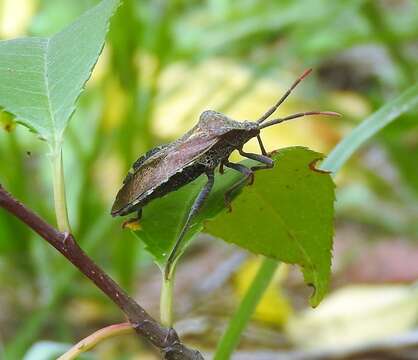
[{"x": 41, "y": 78}]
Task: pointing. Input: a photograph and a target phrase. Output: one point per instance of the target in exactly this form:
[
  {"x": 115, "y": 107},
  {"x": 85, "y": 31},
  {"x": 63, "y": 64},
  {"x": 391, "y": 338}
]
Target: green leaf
[
  {"x": 293, "y": 223},
  {"x": 42, "y": 77},
  {"x": 163, "y": 218},
  {"x": 369, "y": 127},
  {"x": 287, "y": 214}
]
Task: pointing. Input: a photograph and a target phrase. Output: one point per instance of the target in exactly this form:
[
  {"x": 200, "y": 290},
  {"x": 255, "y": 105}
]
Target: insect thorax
[{"x": 221, "y": 151}]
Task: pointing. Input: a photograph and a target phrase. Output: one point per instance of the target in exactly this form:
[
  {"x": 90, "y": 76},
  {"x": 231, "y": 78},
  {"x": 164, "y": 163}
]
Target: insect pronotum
[{"x": 201, "y": 150}]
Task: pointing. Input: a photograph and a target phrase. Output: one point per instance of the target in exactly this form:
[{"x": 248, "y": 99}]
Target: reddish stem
[{"x": 165, "y": 339}]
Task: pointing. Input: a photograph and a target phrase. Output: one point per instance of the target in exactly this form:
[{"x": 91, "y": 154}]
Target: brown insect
[{"x": 201, "y": 150}]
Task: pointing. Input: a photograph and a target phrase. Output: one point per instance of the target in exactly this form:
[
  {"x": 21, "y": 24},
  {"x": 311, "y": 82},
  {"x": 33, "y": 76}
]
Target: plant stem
[
  {"x": 60, "y": 201},
  {"x": 92, "y": 340},
  {"x": 230, "y": 339},
  {"x": 165, "y": 339},
  {"x": 166, "y": 301},
  {"x": 28, "y": 332}
]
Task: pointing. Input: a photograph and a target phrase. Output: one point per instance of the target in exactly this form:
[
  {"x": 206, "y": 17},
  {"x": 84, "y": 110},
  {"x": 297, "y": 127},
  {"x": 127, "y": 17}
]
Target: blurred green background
[{"x": 163, "y": 64}]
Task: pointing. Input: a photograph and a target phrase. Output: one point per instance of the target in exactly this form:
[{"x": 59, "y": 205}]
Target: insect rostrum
[{"x": 200, "y": 151}]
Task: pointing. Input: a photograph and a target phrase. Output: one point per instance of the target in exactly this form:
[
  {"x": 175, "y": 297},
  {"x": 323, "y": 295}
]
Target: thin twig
[
  {"x": 165, "y": 339},
  {"x": 92, "y": 340}
]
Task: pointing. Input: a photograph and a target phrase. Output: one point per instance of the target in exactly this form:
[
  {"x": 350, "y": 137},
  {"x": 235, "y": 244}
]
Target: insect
[{"x": 200, "y": 151}]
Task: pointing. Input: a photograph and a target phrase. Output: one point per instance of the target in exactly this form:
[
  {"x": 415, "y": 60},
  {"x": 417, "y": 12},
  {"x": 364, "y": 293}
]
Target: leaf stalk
[
  {"x": 166, "y": 301},
  {"x": 60, "y": 201}
]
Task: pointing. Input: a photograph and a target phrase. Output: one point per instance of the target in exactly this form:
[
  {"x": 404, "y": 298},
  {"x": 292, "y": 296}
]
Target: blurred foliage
[{"x": 164, "y": 63}]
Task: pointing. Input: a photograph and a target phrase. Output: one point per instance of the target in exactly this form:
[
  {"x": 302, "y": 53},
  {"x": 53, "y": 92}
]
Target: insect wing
[{"x": 160, "y": 166}]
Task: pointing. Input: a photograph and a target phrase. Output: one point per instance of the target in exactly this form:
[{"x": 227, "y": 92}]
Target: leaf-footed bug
[{"x": 201, "y": 150}]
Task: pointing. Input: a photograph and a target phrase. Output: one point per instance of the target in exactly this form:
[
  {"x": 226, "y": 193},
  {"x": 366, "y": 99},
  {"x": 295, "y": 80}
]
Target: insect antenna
[
  {"x": 297, "y": 115},
  {"x": 284, "y": 97}
]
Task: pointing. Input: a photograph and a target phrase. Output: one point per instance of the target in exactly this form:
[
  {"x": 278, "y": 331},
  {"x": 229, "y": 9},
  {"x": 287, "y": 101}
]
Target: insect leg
[
  {"x": 262, "y": 148},
  {"x": 199, "y": 201},
  {"x": 221, "y": 168},
  {"x": 268, "y": 163},
  {"x": 248, "y": 176}
]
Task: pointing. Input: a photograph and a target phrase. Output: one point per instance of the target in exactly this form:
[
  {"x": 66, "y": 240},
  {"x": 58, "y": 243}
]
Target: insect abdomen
[
  {"x": 173, "y": 183},
  {"x": 176, "y": 181}
]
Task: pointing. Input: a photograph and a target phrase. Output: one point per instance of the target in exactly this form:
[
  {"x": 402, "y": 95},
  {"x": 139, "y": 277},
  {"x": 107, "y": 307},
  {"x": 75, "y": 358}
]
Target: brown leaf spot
[
  {"x": 9, "y": 126},
  {"x": 312, "y": 165}
]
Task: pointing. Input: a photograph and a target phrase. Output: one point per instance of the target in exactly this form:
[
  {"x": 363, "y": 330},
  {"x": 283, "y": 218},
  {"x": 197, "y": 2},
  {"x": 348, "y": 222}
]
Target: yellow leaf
[
  {"x": 274, "y": 308},
  {"x": 356, "y": 314}
]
